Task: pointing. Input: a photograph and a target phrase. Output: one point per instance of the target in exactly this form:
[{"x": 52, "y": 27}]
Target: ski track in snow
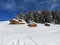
[{"x": 40, "y": 35}]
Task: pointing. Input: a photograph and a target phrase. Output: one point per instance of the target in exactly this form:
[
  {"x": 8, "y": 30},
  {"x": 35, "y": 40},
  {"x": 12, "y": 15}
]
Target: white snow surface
[{"x": 21, "y": 34}]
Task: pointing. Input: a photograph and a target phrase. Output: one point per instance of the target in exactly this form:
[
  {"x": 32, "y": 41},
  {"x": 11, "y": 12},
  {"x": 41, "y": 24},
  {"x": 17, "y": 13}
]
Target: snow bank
[{"x": 24, "y": 35}]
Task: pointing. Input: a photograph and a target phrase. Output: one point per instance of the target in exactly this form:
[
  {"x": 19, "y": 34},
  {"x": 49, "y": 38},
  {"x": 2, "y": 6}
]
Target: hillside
[{"x": 12, "y": 34}]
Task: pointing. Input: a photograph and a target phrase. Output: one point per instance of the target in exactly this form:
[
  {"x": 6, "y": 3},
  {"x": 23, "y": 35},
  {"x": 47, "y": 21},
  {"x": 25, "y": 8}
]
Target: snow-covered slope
[
  {"x": 23, "y": 27},
  {"x": 40, "y": 35}
]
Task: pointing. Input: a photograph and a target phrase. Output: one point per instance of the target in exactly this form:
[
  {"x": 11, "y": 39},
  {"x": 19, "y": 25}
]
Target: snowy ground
[{"x": 23, "y": 35}]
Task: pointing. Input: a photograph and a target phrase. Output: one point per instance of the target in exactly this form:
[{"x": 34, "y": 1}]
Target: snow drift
[{"x": 24, "y": 35}]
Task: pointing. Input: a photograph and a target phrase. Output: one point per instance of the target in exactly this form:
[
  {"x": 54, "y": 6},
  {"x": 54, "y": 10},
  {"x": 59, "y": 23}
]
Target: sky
[{"x": 10, "y": 8}]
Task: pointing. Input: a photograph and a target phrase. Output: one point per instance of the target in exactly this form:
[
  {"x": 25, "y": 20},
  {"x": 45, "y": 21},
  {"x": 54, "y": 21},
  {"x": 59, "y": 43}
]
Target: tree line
[{"x": 43, "y": 16}]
